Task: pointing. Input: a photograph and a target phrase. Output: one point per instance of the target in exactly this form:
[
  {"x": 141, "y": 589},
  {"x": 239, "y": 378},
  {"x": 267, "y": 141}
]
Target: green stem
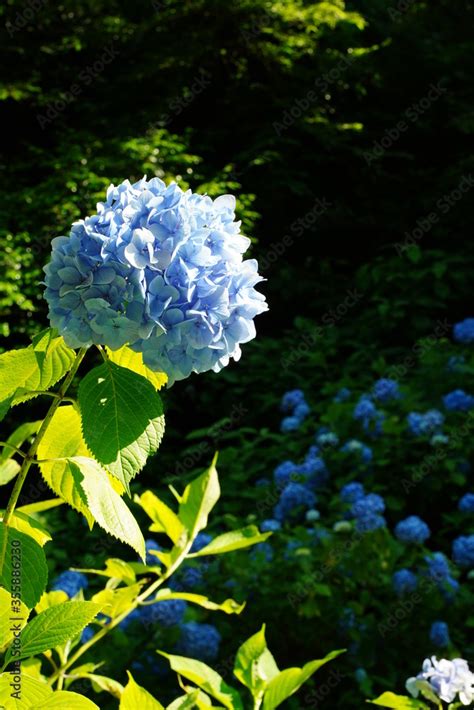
[
  {"x": 6, "y": 445},
  {"x": 29, "y": 458},
  {"x": 141, "y": 597}
]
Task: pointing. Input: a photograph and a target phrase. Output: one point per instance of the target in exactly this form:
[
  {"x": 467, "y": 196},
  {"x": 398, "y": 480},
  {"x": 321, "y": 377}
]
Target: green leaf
[
  {"x": 390, "y": 700},
  {"x": 21, "y": 553},
  {"x": 164, "y": 519},
  {"x": 116, "y": 601},
  {"x": 102, "y": 682},
  {"x": 12, "y": 611},
  {"x": 290, "y": 680},
  {"x": 8, "y": 470},
  {"x": 18, "y": 438},
  {"x": 54, "y": 359},
  {"x": 207, "y": 679},
  {"x": 16, "y": 367},
  {"x": 198, "y": 499},
  {"x": 122, "y": 419},
  {"x": 49, "y": 599},
  {"x": 28, "y": 525},
  {"x": 194, "y": 700},
  {"x": 63, "y": 439},
  {"x": 31, "y": 691},
  {"x": 126, "y": 357},
  {"x": 54, "y": 626},
  {"x": 114, "y": 568},
  {"x": 66, "y": 700},
  {"x": 229, "y": 606},
  {"x": 254, "y": 664},
  {"x": 134, "y": 696},
  {"x": 41, "y": 506},
  {"x": 106, "y": 506},
  {"x": 234, "y": 540}
]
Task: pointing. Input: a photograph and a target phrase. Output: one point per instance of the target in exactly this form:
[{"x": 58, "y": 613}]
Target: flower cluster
[
  {"x": 439, "y": 634},
  {"x": 458, "y": 401},
  {"x": 404, "y": 581},
  {"x": 439, "y": 572},
  {"x": 366, "y": 412},
  {"x": 294, "y": 404},
  {"x": 444, "y": 680},
  {"x": 199, "y": 641},
  {"x": 70, "y": 582},
  {"x": 466, "y": 504},
  {"x": 367, "y": 511},
  {"x": 385, "y": 390},
  {"x": 412, "y": 530},
  {"x": 463, "y": 551},
  {"x": 159, "y": 269},
  {"x": 294, "y": 498},
  {"x": 463, "y": 332},
  {"x": 425, "y": 424},
  {"x": 355, "y": 446}
]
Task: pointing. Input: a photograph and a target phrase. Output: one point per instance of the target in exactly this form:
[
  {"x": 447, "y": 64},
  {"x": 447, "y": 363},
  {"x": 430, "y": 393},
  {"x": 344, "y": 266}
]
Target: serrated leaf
[
  {"x": 16, "y": 366},
  {"x": 9, "y": 468},
  {"x": 402, "y": 702},
  {"x": 234, "y": 540},
  {"x": 54, "y": 626},
  {"x": 66, "y": 700},
  {"x": 198, "y": 499},
  {"x": 114, "y": 568},
  {"x": 32, "y": 668},
  {"x": 18, "y": 438},
  {"x": 31, "y": 690},
  {"x": 134, "y": 696},
  {"x": 102, "y": 682},
  {"x": 229, "y": 606},
  {"x": 126, "y": 357},
  {"x": 254, "y": 664},
  {"x": 194, "y": 700},
  {"x": 207, "y": 679},
  {"x": 122, "y": 419},
  {"x": 54, "y": 359},
  {"x": 29, "y": 526},
  {"x": 106, "y": 506},
  {"x": 12, "y": 611},
  {"x": 115, "y": 601},
  {"x": 63, "y": 439},
  {"x": 30, "y": 561},
  {"x": 290, "y": 680},
  {"x": 40, "y": 506},
  {"x": 164, "y": 519}
]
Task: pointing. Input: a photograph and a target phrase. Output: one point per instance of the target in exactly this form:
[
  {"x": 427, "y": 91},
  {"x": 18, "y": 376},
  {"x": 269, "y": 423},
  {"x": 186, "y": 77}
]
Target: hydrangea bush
[{"x": 156, "y": 282}]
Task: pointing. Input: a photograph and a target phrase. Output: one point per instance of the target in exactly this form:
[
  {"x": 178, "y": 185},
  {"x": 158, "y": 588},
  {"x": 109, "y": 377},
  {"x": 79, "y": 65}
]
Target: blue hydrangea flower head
[
  {"x": 313, "y": 471},
  {"x": 202, "y": 540},
  {"x": 263, "y": 552},
  {"x": 326, "y": 439},
  {"x": 466, "y": 504},
  {"x": 342, "y": 395},
  {"x": 439, "y": 634},
  {"x": 301, "y": 411},
  {"x": 191, "y": 577},
  {"x": 290, "y": 424},
  {"x": 291, "y": 400},
  {"x": 87, "y": 634},
  {"x": 294, "y": 498},
  {"x": 437, "y": 566},
  {"x": 166, "y": 613},
  {"x": 270, "y": 525},
  {"x": 463, "y": 332},
  {"x": 364, "y": 409},
  {"x": 412, "y": 530},
  {"x": 404, "y": 581},
  {"x": 445, "y": 680},
  {"x": 458, "y": 401},
  {"x": 313, "y": 452},
  {"x": 385, "y": 390},
  {"x": 70, "y": 582},
  {"x": 283, "y": 473},
  {"x": 370, "y": 504},
  {"x": 151, "y": 559},
  {"x": 352, "y": 492},
  {"x": 200, "y": 641},
  {"x": 355, "y": 446},
  {"x": 428, "y": 423},
  {"x": 369, "y": 522},
  {"x": 463, "y": 551},
  {"x": 159, "y": 269}
]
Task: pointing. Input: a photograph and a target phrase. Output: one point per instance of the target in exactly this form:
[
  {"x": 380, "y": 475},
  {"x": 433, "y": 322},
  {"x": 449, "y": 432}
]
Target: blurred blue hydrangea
[
  {"x": 291, "y": 400},
  {"x": 421, "y": 424},
  {"x": 367, "y": 413},
  {"x": 202, "y": 540},
  {"x": 87, "y": 634},
  {"x": 412, "y": 530},
  {"x": 326, "y": 438},
  {"x": 294, "y": 498},
  {"x": 404, "y": 581},
  {"x": 342, "y": 395},
  {"x": 385, "y": 390},
  {"x": 352, "y": 492},
  {"x": 301, "y": 411},
  {"x": 191, "y": 577},
  {"x": 162, "y": 270},
  {"x": 70, "y": 582},
  {"x": 355, "y": 446},
  {"x": 283, "y": 472},
  {"x": 463, "y": 551},
  {"x": 312, "y": 515},
  {"x": 369, "y": 522},
  {"x": 200, "y": 641},
  {"x": 167, "y": 613},
  {"x": 370, "y": 504},
  {"x": 151, "y": 559},
  {"x": 458, "y": 401},
  {"x": 439, "y": 634},
  {"x": 466, "y": 504},
  {"x": 290, "y": 424},
  {"x": 463, "y": 332},
  {"x": 270, "y": 525},
  {"x": 313, "y": 471},
  {"x": 438, "y": 571}
]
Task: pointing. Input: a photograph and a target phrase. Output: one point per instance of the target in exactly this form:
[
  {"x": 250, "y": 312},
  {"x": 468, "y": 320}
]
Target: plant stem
[
  {"x": 29, "y": 458},
  {"x": 141, "y": 597}
]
